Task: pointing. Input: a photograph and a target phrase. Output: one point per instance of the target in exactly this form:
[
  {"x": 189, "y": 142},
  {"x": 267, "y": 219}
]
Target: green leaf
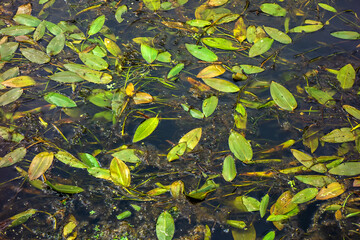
[
  {"x": 35, "y": 56},
  {"x": 153, "y": 5},
  {"x": 191, "y": 138},
  {"x": 278, "y": 35},
  {"x": 13, "y": 157},
  {"x": 201, "y": 53},
  {"x": 195, "y": 113},
  {"x": 198, "y": 23},
  {"x": 315, "y": 180},
  {"x": 27, "y": 20},
  {"x": 40, "y": 163},
  {"x": 21, "y": 81},
  {"x": 260, "y": 47},
  {"x": 39, "y": 31},
  {"x": 56, "y": 45},
  {"x": 322, "y": 97},
  {"x": 339, "y": 136},
  {"x": 209, "y": 105},
  {"x": 264, "y": 204},
  {"x": 7, "y": 50},
  {"x": 59, "y": 100},
  {"x": 145, "y": 129},
  {"x": 305, "y": 195},
  {"x": 352, "y": 111},
  {"x": 269, "y": 236},
  {"x": 176, "y": 151},
  {"x": 349, "y": 35},
  {"x": 148, "y": 53},
  {"x": 66, "y": 77},
  {"x": 229, "y": 169},
  {"x": 93, "y": 61},
  {"x": 175, "y": 70},
  {"x": 346, "y": 169},
  {"x": 112, "y": 47},
  {"x": 164, "y": 57},
  {"x": 221, "y": 85},
  {"x": 22, "y": 217},
  {"x": 69, "y": 189},
  {"x": 220, "y": 43},
  {"x": 120, "y": 173},
  {"x": 119, "y": 11},
  {"x": 69, "y": 159},
  {"x": 248, "y": 69},
  {"x": 16, "y": 30},
  {"x": 306, "y": 28},
  {"x": 127, "y": 155},
  {"x": 282, "y": 97},
  {"x": 53, "y": 28},
  {"x": 89, "y": 160},
  {"x": 236, "y": 224},
  {"x": 96, "y": 25},
  {"x": 327, "y": 7},
  {"x": 165, "y": 227},
  {"x": 10, "y": 96},
  {"x": 240, "y": 147},
  {"x": 273, "y": 9},
  {"x": 89, "y": 74},
  {"x": 346, "y": 76},
  {"x": 123, "y": 215},
  {"x": 100, "y": 173}
]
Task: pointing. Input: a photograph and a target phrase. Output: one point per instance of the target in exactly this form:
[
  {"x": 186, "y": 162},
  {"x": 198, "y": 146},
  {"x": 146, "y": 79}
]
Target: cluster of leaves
[{"x": 101, "y": 61}]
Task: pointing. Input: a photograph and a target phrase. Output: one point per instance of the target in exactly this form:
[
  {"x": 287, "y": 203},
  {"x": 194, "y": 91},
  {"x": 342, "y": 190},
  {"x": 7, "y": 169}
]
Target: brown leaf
[
  {"x": 332, "y": 190},
  {"x": 25, "y": 9}
]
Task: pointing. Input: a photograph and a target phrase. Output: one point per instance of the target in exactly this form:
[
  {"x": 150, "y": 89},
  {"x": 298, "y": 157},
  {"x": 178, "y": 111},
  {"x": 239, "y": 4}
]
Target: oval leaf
[
  {"x": 56, "y": 45},
  {"x": 59, "y": 100},
  {"x": 93, "y": 61},
  {"x": 209, "y": 105},
  {"x": 346, "y": 76},
  {"x": 21, "y": 81},
  {"x": 96, "y": 25},
  {"x": 35, "y": 56},
  {"x": 221, "y": 85},
  {"x": 282, "y": 97},
  {"x": 305, "y": 195},
  {"x": 346, "y": 169},
  {"x": 165, "y": 227},
  {"x": 211, "y": 71},
  {"x": 349, "y": 35},
  {"x": 260, "y": 47},
  {"x": 273, "y": 9},
  {"x": 240, "y": 147},
  {"x": 145, "y": 129},
  {"x": 120, "y": 173},
  {"x": 191, "y": 138},
  {"x": 332, "y": 190},
  {"x": 229, "y": 169},
  {"x": 201, "y": 53},
  {"x": 278, "y": 35},
  {"x": 40, "y": 163},
  {"x": 220, "y": 43},
  {"x": 148, "y": 53}
]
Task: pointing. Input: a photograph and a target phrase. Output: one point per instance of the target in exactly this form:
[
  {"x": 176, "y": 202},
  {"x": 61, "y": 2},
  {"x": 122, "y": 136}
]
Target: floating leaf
[
  {"x": 269, "y": 236},
  {"x": 123, "y": 215},
  {"x": 273, "y": 9},
  {"x": 305, "y": 195},
  {"x": 119, "y": 12},
  {"x": 220, "y": 43},
  {"x": 201, "y": 53},
  {"x": 69, "y": 189},
  {"x": 66, "y": 77},
  {"x": 236, "y": 224},
  {"x": 141, "y": 98},
  {"x": 56, "y": 44},
  {"x": 53, "y": 28},
  {"x": 22, "y": 217},
  {"x": 346, "y": 76},
  {"x": 40, "y": 163},
  {"x": 339, "y": 136},
  {"x": 27, "y": 20},
  {"x": 16, "y": 30},
  {"x": 221, "y": 85},
  {"x": 148, "y": 53},
  {"x": 120, "y": 173},
  {"x": 10, "y": 96},
  {"x": 153, "y": 5},
  {"x": 35, "y": 56},
  {"x": 69, "y": 159},
  {"x": 282, "y": 97},
  {"x": 175, "y": 70},
  {"x": 59, "y": 100},
  {"x": 96, "y": 25},
  {"x": 21, "y": 81},
  {"x": 240, "y": 147},
  {"x": 260, "y": 47},
  {"x": 89, "y": 160},
  {"x": 248, "y": 69},
  {"x": 211, "y": 71},
  {"x": 248, "y": 233},
  {"x": 93, "y": 61},
  {"x": 322, "y": 97},
  {"x": 195, "y": 113},
  {"x": 315, "y": 180},
  {"x": 283, "y": 204},
  {"x": 13, "y": 157},
  {"x": 327, "y": 7},
  {"x": 100, "y": 173},
  {"x": 346, "y": 169},
  {"x": 307, "y": 28},
  {"x": 278, "y": 35},
  {"x": 127, "y": 155},
  {"x": 229, "y": 169},
  {"x": 349, "y": 35},
  {"x": 177, "y": 189},
  {"x": 176, "y": 151},
  {"x": 164, "y": 57},
  {"x": 216, "y": 3},
  {"x": 165, "y": 227},
  {"x": 70, "y": 226},
  {"x": 39, "y": 31},
  {"x": 198, "y": 23},
  {"x": 204, "y": 190},
  {"x": 240, "y": 30},
  {"x": 112, "y": 47},
  {"x": 7, "y": 50},
  {"x": 145, "y": 129},
  {"x": 191, "y": 138},
  {"x": 264, "y": 204},
  {"x": 89, "y": 74},
  {"x": 209, "y": 105},
  {"x": 332, "y": 190},
  {"x": 352, "y": 111}
]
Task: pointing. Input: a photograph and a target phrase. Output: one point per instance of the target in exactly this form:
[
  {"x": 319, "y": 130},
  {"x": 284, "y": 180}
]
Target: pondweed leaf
[
  {"x": 69, "y": 189},
  {"x": 165, "y": 227},
  {"x": 175, "y": 70},
  {"x": 96, "y": 25},
  {"x": 282, "y": 97},
  {"x": 346, "y": 76},
  {"x": 349, "y": 35},
  {"x": 315, "y": 180},
  {"x": 322, "y": 97},
  {"x": 198, "y": 23},
  {"x": 40, "y": 163},
  {"x": 195, "y": 113},
  {"x": 240, "y": 147},
  {"x": 39, "y": 31},
  {"x": 69, "y": 159},
  {"x": 145, "y": 129},
  {"x": 127, "y": 155},
  {"x": 177, "y": 151},
  {"x": 7, "y": 50},
  {"x": 100, "y": 173},
  {"x": 307, "y": 28},
  {"x": 10, "y": 96},
  {"x": 240, "y": 30},
  {"x": 216, "y": 3},
  {"x": 153, "y": 5},
  {"x": 346, "y": 169},
  {"x": 352, "y": 111},
  {"x": 89, "y": 160},
  {"x": 211, "y": 71},
  {"x": 221, "y": 85},
  {"x": 35, "y": 56},
  {"x": 22, "y": 217},
  {"x": 53, "y": 28},
  {"x": 269, "y": 236},
  {"x": 263, "y": 205},
  {"x": 260, "y": 47},
  {"x": 69, "y": 227},
  {"x": 305, "y": 195},
  {"x": 123, "y": 215},
  {"x": 21, "y": 81},
  {"x": 339, "y": 136},
  {"x": 220, "y": 43},
  {"x": 59, "y": 100},
  {"x": 278, "y": 35},
  {"x": 236, "y": 224},
  {"x": 56, "y": 45},
  {"x": 330, "y": 191},
  {"x": 112, "y": 47},
  {"x": 93, "y": 61},
  {"x": 247, "y": 69},
  {"x": 148, "y": 53},
  {"x": 164, "y": 57},
  {"x": 17, "y": 30},
  {"x": 209, "y": 105},
  {"x": 13, "y": 157},
  {"x": 27, "y": 20},
  {"x": 191, "y": 138},
  {"x": 119, "y": 11},
  {"x": 327, "y": 7},
  {"x": 66, "y": 77},
  {"x": 201, "y": 53},
  {"x": 273, "y": 9},
  {"x": 89, "y": 74},
  {"x": 229, "y": 169},
  {"x": 120, "y": 173}
]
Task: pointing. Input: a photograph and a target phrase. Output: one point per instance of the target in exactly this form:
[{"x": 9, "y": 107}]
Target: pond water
[{"x": 104, "y": 109}]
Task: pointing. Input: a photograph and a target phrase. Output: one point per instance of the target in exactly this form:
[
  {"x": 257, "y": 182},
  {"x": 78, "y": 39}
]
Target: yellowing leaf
[
  {"x": 346, "y": 76},
  {"x": 191, "y": 138},
  {"x": 120, "y": 173},
  {"x": 352, "y": 111},
  {"x": 332, "y": 190},
  {"x": 21, "y": 81},
  {"x": 211, "y": 71},
  {"x": 40, "y": 163},
  {"x": 145, "y": 129},
  {"x": 240, "y": 30},
  {"x": 221, "y": 85}
]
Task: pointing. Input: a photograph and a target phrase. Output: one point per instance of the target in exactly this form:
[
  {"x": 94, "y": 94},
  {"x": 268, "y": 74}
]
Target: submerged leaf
[
  {"x": 13, "y": 157},
  {"x": 346, "y": 169},
  {"x": 93, "y": 61},
  {"x": 10, "y": 96},
  {"x": 64, "y": 188},
  {"x": 339, "y": 136}
]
